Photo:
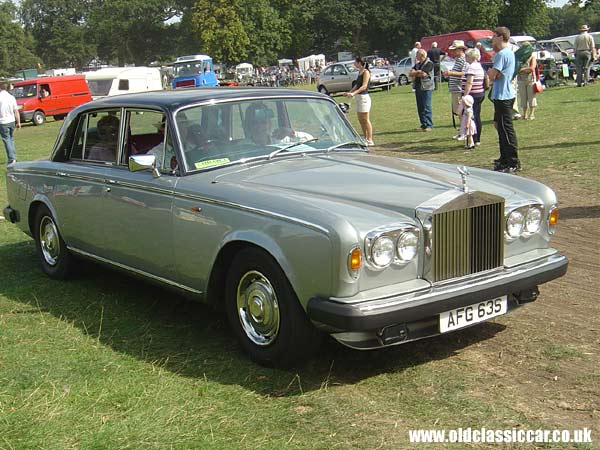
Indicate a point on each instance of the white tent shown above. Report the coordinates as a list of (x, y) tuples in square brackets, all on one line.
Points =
[(311, 61), (285, 62)]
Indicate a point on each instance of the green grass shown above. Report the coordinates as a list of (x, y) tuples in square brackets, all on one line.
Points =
[(106, 362)]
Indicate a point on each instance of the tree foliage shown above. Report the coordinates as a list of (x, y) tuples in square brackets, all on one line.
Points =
[(71, 33)]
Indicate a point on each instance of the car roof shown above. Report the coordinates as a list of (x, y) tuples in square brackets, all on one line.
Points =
[(174, 99)]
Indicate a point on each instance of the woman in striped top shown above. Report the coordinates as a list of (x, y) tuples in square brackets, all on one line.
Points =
[(473, 85)]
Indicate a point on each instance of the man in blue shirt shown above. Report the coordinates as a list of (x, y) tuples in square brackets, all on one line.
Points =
[(503, 96)]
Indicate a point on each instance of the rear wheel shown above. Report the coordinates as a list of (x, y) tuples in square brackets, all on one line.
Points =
[(323, 90), (59, 116), (264, 312), (38, 118), (54, 257), (402, 80)]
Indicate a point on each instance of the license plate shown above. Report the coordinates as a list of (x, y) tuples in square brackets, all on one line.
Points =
[(469, 315)]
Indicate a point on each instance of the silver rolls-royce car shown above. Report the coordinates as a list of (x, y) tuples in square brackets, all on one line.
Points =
[(267, 204)]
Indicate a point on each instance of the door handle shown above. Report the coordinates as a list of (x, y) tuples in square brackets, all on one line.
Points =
[(107, 189), (111, 181), (61, 174)]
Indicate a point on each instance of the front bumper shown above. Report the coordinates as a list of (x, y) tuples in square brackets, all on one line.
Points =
[(519, 282), (26, 116)]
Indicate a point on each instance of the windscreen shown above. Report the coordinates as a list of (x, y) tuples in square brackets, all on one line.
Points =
[(223, 133)]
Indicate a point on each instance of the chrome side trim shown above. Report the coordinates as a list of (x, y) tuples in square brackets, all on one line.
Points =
[(155, 190), (134, 270), (253, 210)]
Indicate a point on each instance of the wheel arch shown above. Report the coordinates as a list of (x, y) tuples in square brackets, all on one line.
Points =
[(35, 204), (231, 246)]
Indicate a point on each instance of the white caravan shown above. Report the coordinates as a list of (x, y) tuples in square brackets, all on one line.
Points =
[(123, 80)]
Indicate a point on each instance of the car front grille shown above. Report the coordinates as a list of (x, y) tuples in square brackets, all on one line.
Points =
[(467, 241)]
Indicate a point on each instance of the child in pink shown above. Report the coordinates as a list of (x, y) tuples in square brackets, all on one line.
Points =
[(467, 124)]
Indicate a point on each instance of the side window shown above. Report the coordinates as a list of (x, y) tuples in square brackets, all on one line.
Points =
[(101, 136), (123, 85), (328, 71), (79, 140), (338, 69), (144, 132), (237, 125)]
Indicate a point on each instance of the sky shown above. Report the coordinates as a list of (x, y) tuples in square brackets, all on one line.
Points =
[(557, 3)]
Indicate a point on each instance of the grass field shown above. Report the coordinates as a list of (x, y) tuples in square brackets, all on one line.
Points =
[(104, 362)]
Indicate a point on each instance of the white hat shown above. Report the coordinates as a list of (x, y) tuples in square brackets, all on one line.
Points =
[(468, 100), (457, 44), (584, 28)]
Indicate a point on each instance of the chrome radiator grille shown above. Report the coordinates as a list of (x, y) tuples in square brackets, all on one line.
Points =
[(467, 241)]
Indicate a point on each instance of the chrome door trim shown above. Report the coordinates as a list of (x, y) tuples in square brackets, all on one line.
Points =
[(134, 270)]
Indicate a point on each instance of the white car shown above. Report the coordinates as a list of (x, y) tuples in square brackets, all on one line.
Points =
[(340, 77), (402, 71)]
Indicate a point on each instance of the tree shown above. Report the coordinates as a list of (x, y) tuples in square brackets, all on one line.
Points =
[(16, 51), (131, 31), (59, 30), (529, 17), (221, 31)]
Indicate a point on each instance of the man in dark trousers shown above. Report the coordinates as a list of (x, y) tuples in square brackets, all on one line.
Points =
[(435, 54), (503, 96)]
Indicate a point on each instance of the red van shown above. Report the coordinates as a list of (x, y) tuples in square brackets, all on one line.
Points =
[(470, 37), (50, 96)]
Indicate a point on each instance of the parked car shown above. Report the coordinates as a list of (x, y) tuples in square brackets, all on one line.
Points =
[(402, 70), (266, 203), (538, 51), (555, 49), (38, 98), (340, 77)]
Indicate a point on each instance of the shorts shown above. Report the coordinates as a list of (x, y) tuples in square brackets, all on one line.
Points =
[(363, 103)]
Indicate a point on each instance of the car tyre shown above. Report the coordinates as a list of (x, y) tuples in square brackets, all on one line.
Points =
[(323, 90), (264, 312), (402, 80), (38, 118), (60, 117), (55, 258)]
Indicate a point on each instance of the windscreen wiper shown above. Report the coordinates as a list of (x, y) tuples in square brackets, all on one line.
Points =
[(345, 144), (287, 147)]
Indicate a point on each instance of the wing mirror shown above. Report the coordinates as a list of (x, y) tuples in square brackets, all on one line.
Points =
[(138, 163)]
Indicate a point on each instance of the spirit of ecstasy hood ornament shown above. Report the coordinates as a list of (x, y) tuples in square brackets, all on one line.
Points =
[(464, 173)]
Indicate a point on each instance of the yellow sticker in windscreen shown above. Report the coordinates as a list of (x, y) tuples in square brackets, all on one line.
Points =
[(211, 162)]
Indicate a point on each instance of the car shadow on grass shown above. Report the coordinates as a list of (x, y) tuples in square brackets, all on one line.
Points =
[(165, 329)]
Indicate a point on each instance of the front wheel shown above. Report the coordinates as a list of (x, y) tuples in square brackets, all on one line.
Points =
[(54, 257), (323, 90), (264, 312), (402, 80), (38, 118)]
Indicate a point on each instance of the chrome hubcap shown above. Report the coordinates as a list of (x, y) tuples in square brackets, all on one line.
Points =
[(49, 242), (258, 308)]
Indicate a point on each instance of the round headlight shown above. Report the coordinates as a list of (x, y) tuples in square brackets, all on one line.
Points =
[(533, 220), (407, 246), (514, 224), (382, 251)]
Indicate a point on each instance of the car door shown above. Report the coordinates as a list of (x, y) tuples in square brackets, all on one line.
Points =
[(138, 205), (79, 195)]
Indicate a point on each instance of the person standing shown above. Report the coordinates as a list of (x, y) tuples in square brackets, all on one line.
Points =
[(360, 90), (413, 53), (585, 51), (473, 85), (9, 119), (422, 75), (457, 51), (435, 54), (503, 97), (526, 78)]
